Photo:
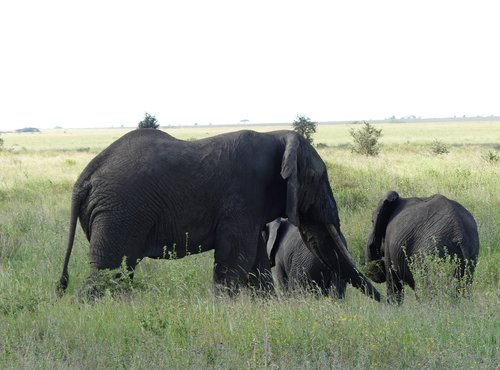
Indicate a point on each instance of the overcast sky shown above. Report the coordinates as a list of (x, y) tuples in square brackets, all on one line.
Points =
[(105, 63)]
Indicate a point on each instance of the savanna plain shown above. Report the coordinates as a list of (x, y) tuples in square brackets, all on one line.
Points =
[(168, 317)]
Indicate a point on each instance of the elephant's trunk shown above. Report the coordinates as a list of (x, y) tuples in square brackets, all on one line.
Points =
[(324, 241)]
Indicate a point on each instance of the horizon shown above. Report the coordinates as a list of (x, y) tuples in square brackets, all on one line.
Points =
[(389, 120)]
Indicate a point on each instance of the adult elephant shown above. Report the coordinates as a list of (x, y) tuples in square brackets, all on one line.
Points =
[(151, 195), (405, 227), (295, 266)]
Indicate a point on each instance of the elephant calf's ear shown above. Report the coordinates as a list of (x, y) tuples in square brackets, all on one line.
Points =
[(271, 245), (384, 211), (380, 221)]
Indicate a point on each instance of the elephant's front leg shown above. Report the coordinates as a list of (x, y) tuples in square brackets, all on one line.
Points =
[(235, 255), (261, 278)]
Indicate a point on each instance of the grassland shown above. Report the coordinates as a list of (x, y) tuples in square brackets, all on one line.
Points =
[(169, 318)]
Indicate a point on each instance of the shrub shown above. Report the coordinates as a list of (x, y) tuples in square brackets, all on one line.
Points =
[(149, 121), (436, 277), (366, 140), (305, 127), (1, 144), (438, 147), (491, 156)]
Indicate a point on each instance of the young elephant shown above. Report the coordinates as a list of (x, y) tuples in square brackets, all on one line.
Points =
[(404, 227), (296, 266)]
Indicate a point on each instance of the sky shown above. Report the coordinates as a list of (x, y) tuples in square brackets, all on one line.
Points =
[(105, 63)]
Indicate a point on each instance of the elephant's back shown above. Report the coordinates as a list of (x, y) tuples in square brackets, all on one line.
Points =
[(130, 147), (433, 222)]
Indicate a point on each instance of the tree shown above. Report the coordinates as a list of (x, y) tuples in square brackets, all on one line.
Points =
[(305, 127), (366, 139), (149, 121)]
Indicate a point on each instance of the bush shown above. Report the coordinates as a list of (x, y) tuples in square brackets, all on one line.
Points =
[(366, 140), (436, 278), (490, 157), (149, 121), (438, 147), (1, 144), (305, 127)]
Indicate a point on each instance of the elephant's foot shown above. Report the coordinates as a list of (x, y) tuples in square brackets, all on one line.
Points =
[(99, 282), (61, 285)]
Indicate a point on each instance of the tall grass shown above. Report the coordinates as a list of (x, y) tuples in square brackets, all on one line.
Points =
[(169, 318)]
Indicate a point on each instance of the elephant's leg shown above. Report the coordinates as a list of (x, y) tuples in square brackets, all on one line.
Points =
[(235, 255), (468, 275), (463, 275), (282, 278), (261, 277), (394, 288), (112, 247)]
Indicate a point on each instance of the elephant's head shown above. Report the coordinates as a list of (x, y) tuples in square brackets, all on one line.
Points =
[(311, 207), (374, 253)]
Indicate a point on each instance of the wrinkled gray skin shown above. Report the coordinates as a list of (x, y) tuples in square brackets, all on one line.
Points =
[(295, 266), (434, 224), (151, 195)]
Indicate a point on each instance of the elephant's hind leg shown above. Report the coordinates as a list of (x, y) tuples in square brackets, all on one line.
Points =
[(113, 256), (395, 293)]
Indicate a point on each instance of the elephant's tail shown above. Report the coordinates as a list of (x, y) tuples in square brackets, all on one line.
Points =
[(62, 284)]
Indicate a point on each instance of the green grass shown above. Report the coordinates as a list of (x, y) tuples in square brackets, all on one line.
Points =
[(169, 317)]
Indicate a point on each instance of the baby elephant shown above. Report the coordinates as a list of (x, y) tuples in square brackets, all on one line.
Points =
[(405, 227), (296, 266)]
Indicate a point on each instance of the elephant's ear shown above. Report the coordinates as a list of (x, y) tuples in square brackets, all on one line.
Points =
[(289, 172), (381, 218), (271, 245)]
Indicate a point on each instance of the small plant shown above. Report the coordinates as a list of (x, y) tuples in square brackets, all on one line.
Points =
[(490, 157), (438, 147), (83, 149), (366, 140), (305, 127), (1, 144), (436, 277), (149, 121)]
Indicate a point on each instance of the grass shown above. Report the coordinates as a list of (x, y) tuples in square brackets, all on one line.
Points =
[(169, 318)]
